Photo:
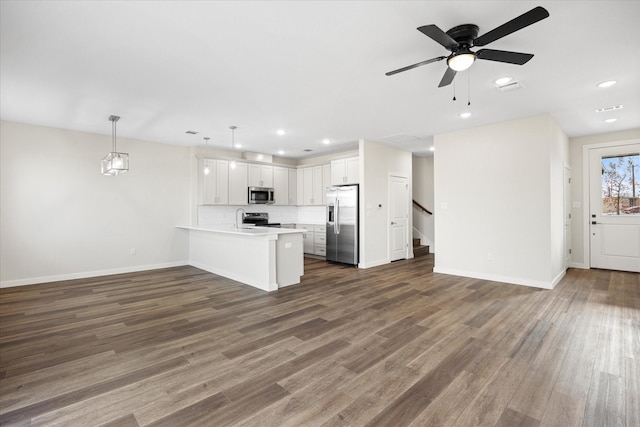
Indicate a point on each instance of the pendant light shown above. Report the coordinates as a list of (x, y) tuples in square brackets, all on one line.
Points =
[(206, 170), (114, 163), (232, 165)]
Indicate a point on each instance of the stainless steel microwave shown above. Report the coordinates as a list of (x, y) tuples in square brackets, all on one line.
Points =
[(261, 195)]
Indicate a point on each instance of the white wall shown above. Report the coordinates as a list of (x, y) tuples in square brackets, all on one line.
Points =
[(498, 202), (61, 219), (377, 161), (579, 251), (423, 193)]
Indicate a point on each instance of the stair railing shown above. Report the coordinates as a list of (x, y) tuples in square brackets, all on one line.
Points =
[(422, 208)]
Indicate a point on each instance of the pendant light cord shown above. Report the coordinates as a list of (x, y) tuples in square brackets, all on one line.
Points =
[(113, 136)]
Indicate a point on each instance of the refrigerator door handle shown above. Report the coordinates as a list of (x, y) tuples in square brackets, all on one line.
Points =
[(336, 224)]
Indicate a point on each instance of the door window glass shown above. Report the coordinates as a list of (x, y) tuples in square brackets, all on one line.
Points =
[(621, 185)]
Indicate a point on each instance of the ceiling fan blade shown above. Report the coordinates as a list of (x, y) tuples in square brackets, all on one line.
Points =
[(447, 78), (419, 64), (504, 56), (534, 15), (439, 36)]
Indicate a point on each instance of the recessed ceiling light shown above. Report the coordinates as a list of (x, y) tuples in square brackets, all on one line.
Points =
[(238, 145), (326, 141), (432, 148), (608, 83), (503, 81), (611, 120), (281, 132), (281, 152), (465, 115)]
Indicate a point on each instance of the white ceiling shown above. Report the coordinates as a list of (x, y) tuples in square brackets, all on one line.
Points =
[(313, 68)]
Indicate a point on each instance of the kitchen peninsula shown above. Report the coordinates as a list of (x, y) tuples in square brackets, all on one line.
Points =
[(262, 257)]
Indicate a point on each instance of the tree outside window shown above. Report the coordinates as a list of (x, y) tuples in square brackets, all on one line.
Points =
[(621, 185)]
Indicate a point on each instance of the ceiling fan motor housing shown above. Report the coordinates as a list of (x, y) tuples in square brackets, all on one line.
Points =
[(464, 35)]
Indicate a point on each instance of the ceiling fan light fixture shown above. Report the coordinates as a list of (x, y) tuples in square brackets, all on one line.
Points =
[(461, 60)]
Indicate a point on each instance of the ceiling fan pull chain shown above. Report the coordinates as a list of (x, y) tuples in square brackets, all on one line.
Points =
[(468, 87), (454, 90)]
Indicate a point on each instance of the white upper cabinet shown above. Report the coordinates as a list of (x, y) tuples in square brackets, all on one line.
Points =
[(326, 181), (260, 176), (293, 187), (215, 183), (300, 186), (345, 171), (281, 185), (312, 181), (238, 184)]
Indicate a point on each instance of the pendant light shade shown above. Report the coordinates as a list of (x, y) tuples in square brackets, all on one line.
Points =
[(115, 163)]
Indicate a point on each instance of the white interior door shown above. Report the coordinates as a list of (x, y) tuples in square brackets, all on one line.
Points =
[(614, 187), (398, 241)]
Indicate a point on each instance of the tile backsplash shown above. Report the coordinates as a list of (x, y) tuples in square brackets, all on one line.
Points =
[(223, 215)]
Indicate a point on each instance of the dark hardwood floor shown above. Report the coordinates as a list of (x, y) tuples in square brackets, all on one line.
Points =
[(389, 346)]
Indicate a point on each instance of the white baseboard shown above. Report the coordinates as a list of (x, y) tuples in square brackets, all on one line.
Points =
[(505, 279), (373, 264), (88, 274), (579, 265)]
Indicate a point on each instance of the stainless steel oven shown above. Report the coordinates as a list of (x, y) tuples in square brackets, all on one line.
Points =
[(261, 195)]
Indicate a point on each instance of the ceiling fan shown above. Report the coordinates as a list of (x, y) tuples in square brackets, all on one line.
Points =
[(459, 40)]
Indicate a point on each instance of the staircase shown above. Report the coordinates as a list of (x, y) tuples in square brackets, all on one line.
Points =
[(419, 250)]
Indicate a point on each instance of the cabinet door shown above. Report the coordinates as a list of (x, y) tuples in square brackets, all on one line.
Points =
[(307, 238), (338, 172), (352, 170), (255, 176), (260, 176), (266, 176), (317, 188), (300, 186), (215, 184), (326, 182), (238, 184), (307, 186), (281, 185), (293, 187)]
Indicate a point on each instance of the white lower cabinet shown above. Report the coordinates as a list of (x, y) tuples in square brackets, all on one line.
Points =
[(314, 240), (320, 240)]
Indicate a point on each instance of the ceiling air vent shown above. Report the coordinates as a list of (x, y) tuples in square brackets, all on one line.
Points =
[(510, 87), (401, 138), (308, 150), (191, 132), (605, 109)]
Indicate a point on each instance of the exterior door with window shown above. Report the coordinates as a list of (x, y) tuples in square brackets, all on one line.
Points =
[(614, 187)]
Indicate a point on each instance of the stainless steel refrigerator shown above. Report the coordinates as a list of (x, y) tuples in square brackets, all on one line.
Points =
[(342, 224)]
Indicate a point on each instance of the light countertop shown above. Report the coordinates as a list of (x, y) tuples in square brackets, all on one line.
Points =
[(243, 230)]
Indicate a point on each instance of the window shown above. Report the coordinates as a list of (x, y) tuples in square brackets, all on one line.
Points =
[(621, 185)]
